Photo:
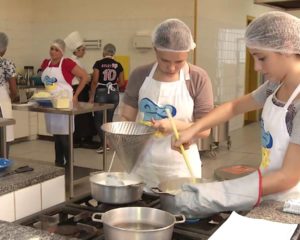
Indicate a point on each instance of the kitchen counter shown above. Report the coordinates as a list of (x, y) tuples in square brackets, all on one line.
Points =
[(80, 108), (272, 210), (41, 173), (10, 231)]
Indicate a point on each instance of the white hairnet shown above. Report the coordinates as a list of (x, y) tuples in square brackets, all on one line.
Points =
[(3, 41), (274, 31), (60, 44), (173, 35), (110, 49)]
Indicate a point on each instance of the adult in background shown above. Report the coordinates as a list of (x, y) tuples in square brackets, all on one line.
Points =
[(8, 87), (108, 75), (84, 123), (168, 83), (57, 76)]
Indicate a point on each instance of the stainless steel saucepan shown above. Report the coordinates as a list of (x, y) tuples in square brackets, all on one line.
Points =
[(141, 223), (167, 191), (116, 187)]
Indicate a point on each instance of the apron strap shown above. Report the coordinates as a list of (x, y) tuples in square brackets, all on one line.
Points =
[(109, 86), (292, 97), (153, 70), (182, 74)]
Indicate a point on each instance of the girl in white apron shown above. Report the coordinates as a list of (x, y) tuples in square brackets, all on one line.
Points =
[(273, 40), (276, 141)]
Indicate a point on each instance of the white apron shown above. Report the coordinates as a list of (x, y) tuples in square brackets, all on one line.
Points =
[(76, 80), (158, 161), (275, 140), (56, 123), (6, 109)]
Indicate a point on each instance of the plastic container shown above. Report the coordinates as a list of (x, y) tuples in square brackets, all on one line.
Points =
[(4, 163)]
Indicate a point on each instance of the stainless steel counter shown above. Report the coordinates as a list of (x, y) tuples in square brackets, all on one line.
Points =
[(3, 123), (81, 108)]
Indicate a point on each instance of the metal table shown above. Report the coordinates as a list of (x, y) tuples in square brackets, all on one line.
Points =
[(81, 108), (3, 123)]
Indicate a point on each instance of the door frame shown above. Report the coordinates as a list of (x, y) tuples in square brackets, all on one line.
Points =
[(251, 82)]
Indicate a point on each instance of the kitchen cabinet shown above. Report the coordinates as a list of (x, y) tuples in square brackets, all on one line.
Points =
[(21, 128), (28, 201), (26, 124), (53, 192), (7, 210)]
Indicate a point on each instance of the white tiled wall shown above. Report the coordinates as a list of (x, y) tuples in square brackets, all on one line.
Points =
[(33, 24)]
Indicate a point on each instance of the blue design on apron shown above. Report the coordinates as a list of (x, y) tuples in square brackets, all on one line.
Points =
[(152, 111)]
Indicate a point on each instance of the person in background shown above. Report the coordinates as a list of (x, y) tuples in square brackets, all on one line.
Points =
[(8, 87), (57, 76), (168, 83), (273, 40), (84, 123), (108, 75)]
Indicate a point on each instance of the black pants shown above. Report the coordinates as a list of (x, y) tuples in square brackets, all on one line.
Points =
[(102, 96), (84, 123), (61, 143)]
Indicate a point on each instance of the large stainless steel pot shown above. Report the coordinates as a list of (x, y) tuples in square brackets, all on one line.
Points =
[(167, 191), (139, 223), (131, 191)]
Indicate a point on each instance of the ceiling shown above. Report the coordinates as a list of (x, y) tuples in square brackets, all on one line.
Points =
[(280, 4)]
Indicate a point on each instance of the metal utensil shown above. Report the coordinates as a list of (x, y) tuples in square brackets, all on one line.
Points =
[(128, 139), (183, 152), (18, 170)]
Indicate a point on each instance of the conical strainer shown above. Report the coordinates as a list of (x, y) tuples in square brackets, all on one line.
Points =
[(128, 140)]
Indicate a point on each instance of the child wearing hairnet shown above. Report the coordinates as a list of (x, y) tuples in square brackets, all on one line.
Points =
[(171, 83), (273, 40)]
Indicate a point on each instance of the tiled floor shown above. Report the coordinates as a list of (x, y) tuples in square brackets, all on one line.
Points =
[(245, 149)]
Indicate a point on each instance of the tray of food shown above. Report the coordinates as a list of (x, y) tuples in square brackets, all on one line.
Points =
[(43, 98)]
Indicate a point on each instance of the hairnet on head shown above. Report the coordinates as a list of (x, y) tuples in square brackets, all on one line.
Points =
[(110, 49), (173, 35), (60, 44), (274, 31), (3, 41)]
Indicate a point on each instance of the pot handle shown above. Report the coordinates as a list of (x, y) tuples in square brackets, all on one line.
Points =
[(156, 190), (159, 191), (180, 216), (97, 217)]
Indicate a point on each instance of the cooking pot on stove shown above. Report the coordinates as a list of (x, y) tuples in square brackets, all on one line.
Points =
[(167, 191), (130, 190), (140, 223)]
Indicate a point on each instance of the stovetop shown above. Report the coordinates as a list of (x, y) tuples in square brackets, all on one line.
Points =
[(73, 219)]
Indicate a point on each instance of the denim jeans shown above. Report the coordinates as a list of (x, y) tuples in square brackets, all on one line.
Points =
[(102, 96)]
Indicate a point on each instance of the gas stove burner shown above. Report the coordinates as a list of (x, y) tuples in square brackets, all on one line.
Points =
[(73, 220), (70, 227), (79, 230), (86, 202)]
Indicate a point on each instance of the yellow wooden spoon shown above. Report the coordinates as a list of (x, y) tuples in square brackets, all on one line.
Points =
[(183, 152)]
